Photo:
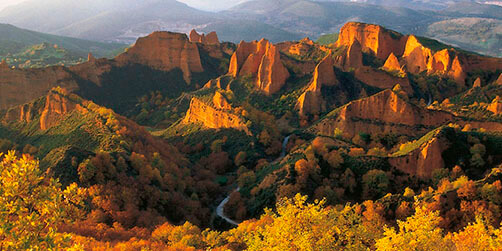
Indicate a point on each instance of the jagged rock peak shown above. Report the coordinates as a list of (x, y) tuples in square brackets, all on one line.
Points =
[(499, 80), (311, 101), (4, 65), (380, 41), (57, 104), (164, 51), (200, 112), (211, 38), (90, 57), (392, 63), (260, 59)]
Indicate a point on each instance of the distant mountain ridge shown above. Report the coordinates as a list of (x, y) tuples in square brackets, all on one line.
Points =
[(279, 20)]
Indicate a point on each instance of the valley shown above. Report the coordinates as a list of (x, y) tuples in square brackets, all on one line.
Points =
[(342, 140)]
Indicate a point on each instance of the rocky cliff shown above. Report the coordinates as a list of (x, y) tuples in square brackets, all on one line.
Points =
[(311, 101), (422, 161), (392, 64), (372, 38), (209, 39), (262, 60), (495, 106), (164, 51), (19, 86), (384, 112), (211, 117), (50, 110)]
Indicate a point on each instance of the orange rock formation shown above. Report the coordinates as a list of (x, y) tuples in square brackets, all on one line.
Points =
[(20, 86), (495, 106), (210, 39), (220, 102), (164, 51), (311, 101), (424, 160), (374, 38), (260, 59), (381, 79), (200, 112), (56, 106), (384, 112), (392, 63)]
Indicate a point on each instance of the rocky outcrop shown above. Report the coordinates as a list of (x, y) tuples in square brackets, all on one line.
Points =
[(354, 56), (302, 47), (4, 65), (495, 106), (262, 60), (90, 57), (209, 39), (422, 161), (210, 117), (19, 86), (381, 79), (392, 64), (499, 80), (372, 38), (384, 112), (311, 101), (222, 82), (57, 105), (477, 83), (164, 51), (220, 102), (446, 62)]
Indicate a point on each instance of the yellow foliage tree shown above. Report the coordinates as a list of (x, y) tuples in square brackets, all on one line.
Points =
[(419, 232), (298, 225), (32, 206)]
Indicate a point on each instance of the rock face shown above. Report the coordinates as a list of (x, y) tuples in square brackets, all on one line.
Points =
[(376, 39), (422, 161), (200, 112), (381, 79), (19, 86), (384, 112), (90, 57), (260, 59), (499, 80), (220, 102), (353, 58), (392, 64), (311, 101), (477, 83), (56, 106), (210, 39), (164, 51), (414, 55), (496, 106)]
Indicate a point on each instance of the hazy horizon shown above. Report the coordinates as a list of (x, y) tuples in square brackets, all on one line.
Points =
[(213, 5)]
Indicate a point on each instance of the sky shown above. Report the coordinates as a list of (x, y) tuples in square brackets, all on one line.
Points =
[(212, 5), (5, 3), (209, 5)]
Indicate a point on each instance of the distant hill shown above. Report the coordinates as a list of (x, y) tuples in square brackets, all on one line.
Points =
[(278, 20), (247, 30), (14, 40)]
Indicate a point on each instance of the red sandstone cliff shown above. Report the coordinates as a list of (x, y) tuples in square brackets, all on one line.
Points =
[(311, 101), (422, 161), (164, 51), (210, 39), (374, 38), (260, 59), (384, 112), (200, 112)]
